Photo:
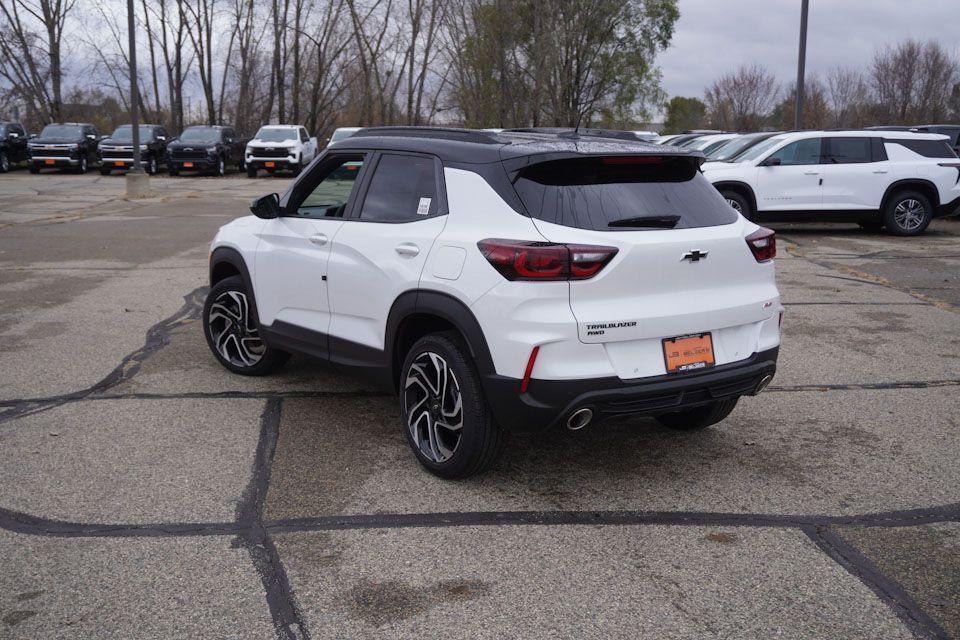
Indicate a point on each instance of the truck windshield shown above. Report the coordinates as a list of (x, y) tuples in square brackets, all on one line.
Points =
[(126, 133), (276, 134), (61, 131), (200, 134)]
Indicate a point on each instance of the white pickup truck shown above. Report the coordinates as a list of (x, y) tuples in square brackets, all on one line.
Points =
[(279, 147)]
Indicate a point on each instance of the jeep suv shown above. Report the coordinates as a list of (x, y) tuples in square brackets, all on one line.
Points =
[(116, 152), (503, 282), (896, 180)]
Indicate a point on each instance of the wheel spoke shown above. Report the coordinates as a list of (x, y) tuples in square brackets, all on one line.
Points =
[(433, 406)]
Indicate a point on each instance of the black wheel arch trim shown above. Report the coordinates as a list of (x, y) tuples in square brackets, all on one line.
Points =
[(907, 183), (736, 184)]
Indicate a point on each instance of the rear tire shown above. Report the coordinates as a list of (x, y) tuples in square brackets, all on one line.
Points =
[(698, 417), (907, 213), (738, 203), (232, 329), (443, 410)]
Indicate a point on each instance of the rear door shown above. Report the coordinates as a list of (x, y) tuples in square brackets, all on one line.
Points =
[(855, 173), (794, 184), (380, 251), (666, 280)]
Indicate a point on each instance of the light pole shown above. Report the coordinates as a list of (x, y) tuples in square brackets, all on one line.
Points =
[(138, 183), (801, 63)]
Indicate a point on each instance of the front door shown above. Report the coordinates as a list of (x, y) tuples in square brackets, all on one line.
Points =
[(794, 184), (290, 271)]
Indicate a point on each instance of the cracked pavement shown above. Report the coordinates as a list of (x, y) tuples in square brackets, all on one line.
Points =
[(147, 492)]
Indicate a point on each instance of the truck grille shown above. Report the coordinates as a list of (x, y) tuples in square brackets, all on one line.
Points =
[(51, 153), (116, 153), (270, 152), (188, 154)]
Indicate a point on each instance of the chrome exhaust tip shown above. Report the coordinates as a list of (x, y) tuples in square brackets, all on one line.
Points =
[(579, 419), (764, 381)]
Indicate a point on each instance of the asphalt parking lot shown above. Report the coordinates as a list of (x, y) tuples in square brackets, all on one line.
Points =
[(147, 492)]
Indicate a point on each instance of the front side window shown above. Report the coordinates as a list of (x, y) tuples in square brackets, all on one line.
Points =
[(403, 189), (849, 151), (799, 153), (303, 135), (329, 197)]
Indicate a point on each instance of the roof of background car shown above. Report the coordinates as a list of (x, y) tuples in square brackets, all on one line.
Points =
[(860, 133), (471, 146)]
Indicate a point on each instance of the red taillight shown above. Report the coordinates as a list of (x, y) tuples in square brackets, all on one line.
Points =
[(520, 260), (763, 244)]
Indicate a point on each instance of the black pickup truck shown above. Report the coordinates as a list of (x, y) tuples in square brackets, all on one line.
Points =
[(13, 145), (116, 152), (64, 144), (206, 149)]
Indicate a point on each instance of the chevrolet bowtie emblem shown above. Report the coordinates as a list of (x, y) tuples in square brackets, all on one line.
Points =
[(695, 255)]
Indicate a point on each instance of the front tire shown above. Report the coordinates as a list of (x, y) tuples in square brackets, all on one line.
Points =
[(232, 329), (34, 168), (699, 417), (738, 203), (443, 410), (907, 213), (4, 162), (251, 171), (152, 167), (82, 167), (221, 169), (104, 171)]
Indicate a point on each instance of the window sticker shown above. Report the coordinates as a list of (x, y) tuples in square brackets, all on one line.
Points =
[(424, 207)]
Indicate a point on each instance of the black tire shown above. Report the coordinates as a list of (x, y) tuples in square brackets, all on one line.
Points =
[(104, 171), (152, 166), (4, 162), (241, 166), (297, 168), (34, 168), (269, 359), (481, 440), (172, 172), (221, 169), (738, 203), (698, 417), (901, 223), (251, 171), (82, 167)]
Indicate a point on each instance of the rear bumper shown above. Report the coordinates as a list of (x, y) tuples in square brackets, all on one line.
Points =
[(548, 403)]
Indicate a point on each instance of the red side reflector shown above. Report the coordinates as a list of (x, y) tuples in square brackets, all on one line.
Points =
[(632, 159), (763, 244), (526, 374)]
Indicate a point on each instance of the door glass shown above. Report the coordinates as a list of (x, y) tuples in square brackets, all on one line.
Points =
[(403, 189), (799, 152), (849, 150), (329, 198)]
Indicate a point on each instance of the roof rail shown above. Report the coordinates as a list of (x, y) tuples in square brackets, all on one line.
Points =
[(439, 133), (568, 132)]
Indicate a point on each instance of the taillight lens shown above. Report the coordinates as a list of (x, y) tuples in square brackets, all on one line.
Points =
[(521, 260), (763, 244)]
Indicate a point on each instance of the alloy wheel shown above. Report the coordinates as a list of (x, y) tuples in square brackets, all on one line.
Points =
[(909, 214), (736, 205), (433, 407), (221, 169), (233, 330)]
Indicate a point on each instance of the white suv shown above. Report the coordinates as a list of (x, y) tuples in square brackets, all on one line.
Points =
[(277, 147), (503, 282), (891, 179)]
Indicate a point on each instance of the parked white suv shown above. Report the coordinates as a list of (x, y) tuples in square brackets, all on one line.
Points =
[(503, 282), (278, 147), (891, 179)]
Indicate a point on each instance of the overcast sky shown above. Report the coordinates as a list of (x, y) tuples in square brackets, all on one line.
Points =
[(713, 37)]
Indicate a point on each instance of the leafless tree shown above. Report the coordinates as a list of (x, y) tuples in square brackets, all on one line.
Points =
[(912, 82), (847, 96), (742, 100)]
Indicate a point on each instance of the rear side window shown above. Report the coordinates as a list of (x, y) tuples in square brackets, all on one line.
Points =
[(622, 193), (848, 150), (926, 148), (403, 189)]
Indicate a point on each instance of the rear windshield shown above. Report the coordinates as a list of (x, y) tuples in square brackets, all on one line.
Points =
[(622, 193)]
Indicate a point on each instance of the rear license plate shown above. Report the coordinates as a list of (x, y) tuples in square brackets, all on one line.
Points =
[(118, 164), (50, 162), (688, 353), (187, 164), (269, 165)]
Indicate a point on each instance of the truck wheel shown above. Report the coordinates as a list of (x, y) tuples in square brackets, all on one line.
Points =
[(738, 202), (251, 171), (907, 213), (221, 169), (82, 167), (699, 417), (152, 167), (34, 168), (444, 413), (4, 162), (172, 172), (104, 171), (232, 330)]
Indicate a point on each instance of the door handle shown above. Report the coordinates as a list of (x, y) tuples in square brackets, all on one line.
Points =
[(407, 249), (320, 239), (880, 171), (811, 173)]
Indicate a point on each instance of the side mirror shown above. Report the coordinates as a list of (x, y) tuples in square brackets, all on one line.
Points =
[(161, 138), (266, 207), (13, 135), (771, 162), (31, 136)]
